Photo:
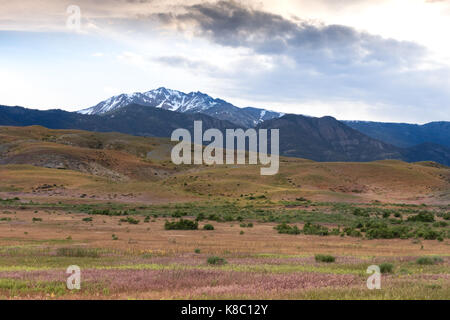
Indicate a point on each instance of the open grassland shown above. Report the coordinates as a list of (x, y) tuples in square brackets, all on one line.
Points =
[(140, 227), (125, 251)]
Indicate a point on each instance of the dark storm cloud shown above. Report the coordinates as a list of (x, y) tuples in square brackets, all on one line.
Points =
[(232, 24), (318, 62)]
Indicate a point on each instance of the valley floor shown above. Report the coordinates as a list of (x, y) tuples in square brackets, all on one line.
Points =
[(125, 252)]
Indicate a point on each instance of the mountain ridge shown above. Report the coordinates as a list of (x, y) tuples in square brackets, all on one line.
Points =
[(320, 139), (405, 134), (192, 102)]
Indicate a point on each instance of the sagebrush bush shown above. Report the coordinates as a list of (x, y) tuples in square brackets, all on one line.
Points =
[(315, 229), (285, 228), (386, 267), (324, 258), (214, 260), (181, 225), (208, 227), (429, 260), (130, 220), (422, 217)]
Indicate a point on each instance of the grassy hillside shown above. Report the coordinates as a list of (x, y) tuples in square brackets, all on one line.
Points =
[(111, 164)]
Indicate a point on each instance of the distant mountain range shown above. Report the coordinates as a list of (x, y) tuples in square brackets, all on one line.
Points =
[(133, 119), (405, 134), (159, 112), (193, 102)]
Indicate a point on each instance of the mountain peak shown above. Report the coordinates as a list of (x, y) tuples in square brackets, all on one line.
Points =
[(193, 102)]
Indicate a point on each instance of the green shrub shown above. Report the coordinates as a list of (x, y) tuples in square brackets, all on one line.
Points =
[(178, 214), (130, 220), (87, 219), (386, 267), (287, 229), (422, 217), (427, 233), (214, 260), (181, 225), (114, 237), (36, 219), (208, 227), (108, 212), (197, 250), (428, 260), (352, 232), (440, 224), (360, 212), (324, 258), (380, 230), (315, 229), (246, 225)]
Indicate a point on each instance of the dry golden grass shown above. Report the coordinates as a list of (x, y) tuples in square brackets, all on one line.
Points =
[(226, 238)]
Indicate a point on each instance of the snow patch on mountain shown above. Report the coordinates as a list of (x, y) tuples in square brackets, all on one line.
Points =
[(178, 101)]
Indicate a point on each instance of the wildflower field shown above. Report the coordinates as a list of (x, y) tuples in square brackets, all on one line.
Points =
[(128, 251)]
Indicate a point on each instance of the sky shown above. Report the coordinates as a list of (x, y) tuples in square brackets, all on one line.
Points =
[(377, 60)]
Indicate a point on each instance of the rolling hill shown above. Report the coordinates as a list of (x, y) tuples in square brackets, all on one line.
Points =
[(36, 161)]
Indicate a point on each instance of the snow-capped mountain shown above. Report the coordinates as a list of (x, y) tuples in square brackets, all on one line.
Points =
[(193, 102)]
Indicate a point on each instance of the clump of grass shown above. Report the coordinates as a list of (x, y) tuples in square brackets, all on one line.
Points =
[(214, 260), (324, 258), (36, 219), (87, 219), (208, 227), (429, 260), (130, 220), (386, 267), (287, 229), (77, 252), (181, 225), (114, 237), (197, 250)]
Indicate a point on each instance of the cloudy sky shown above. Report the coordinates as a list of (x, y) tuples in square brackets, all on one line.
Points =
[(380, 60)]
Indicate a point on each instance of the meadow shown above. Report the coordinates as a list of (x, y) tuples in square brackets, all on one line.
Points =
[(140, 227), (126, 251)]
